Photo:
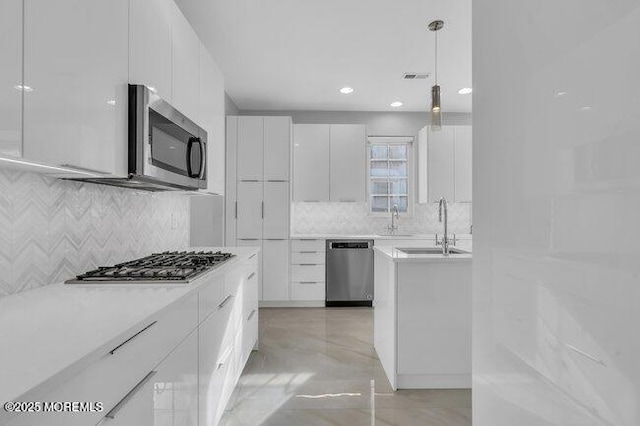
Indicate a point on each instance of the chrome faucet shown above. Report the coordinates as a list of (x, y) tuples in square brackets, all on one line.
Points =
[(445, 238), (395, 216)]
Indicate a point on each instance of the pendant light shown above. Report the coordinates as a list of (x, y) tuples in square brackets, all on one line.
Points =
[(436, 113)]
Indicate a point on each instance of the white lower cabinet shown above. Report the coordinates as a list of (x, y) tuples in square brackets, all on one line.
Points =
[(275, 268), (308, 270), (178, 368)]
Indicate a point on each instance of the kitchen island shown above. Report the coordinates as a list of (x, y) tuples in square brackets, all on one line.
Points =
[(422, 318)]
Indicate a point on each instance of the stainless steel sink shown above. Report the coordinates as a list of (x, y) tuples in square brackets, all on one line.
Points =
[(429, 250)]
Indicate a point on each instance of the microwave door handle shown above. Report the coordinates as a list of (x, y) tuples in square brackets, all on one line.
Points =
[(190, 143), (203, 159)]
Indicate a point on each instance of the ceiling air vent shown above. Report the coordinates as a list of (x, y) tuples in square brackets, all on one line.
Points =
[(415, 76)]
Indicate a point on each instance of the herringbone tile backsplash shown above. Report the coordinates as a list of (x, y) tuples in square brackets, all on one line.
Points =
[(354, 219), (52, 230)]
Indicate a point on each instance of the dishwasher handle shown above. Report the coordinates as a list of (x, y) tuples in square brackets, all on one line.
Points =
[(350, 245)]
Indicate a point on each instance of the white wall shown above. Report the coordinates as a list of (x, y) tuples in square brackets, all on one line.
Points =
[(384, 123), (556, 213)]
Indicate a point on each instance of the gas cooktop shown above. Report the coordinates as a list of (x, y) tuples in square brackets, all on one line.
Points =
[(167, 267)]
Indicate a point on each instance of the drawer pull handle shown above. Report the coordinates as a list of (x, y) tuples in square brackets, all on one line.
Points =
[(223, 359), (253, 255), (309, 252), (251, 315), (112, 351), (112, 414), (308, 282), (253, 274), (309, 239), (308, 264), (225, 301)]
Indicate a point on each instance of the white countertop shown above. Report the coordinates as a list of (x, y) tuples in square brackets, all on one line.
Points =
[(398, 236), (399, 256), (51, 332)]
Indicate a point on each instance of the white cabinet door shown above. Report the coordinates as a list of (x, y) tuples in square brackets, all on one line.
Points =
[(212, 119), (440, 162), (250, 148), (150, 45), (11, 78), (231, 205), (276, 210), (348, 162), (76, 62), (250, 210), (185, 66), (167, 396), (311, 162), (275, 269), (463, 164), (277, 148)]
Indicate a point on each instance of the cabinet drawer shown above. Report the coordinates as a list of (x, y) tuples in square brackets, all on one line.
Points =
[(109, 379), (211, 295), (250, 294), (307, 272), (307, 245), (306, 257), (249, 336), (308, 290)]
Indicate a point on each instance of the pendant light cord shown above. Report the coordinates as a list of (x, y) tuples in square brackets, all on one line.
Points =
[(436, 56)]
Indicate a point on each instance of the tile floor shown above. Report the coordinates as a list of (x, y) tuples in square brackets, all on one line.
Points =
[(318, 366)]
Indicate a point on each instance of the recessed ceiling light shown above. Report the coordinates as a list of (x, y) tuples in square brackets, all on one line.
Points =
[(346, 90), (465, 90), (561, 93), (111, 102), (585, 108), (396, 104), (23, 88)]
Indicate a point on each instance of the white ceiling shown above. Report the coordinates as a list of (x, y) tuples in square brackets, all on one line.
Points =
[(296, 54)]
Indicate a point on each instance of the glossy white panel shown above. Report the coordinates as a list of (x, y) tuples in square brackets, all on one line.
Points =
[(275, 269), (276, 210), (185, 65), (311, 162), (78, 70), (557, 195), (348, 162), (277, 148), (150, 45), (11, 78)]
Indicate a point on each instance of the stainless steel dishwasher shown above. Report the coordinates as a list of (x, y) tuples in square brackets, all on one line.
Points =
[(349, 271)]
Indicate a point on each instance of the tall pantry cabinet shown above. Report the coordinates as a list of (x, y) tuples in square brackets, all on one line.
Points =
[(257, 206)]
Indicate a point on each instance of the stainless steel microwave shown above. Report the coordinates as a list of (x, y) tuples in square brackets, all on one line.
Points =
[(165, 147), (166, 150)]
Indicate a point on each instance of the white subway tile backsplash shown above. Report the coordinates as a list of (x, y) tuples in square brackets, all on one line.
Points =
[(52, 230)]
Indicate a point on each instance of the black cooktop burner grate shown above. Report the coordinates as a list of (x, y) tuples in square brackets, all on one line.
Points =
[(168, 266)]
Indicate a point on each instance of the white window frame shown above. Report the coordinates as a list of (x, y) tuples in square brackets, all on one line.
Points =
[(391, 140)]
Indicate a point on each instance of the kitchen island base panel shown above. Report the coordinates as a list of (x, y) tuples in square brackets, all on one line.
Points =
[(433, 381)]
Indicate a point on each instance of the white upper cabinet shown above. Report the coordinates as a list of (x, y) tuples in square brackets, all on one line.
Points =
[(212, 118), (250, 210), (250, 148), (348, 162), (311, 162), (444, 164), (277, 147), (185, 66), (463, 164), (440, 163), (276, 210), (11, 78), (263, 148), (75, 61), (150, 45)]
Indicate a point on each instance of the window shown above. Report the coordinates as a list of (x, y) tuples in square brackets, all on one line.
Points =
[(389, 176)]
